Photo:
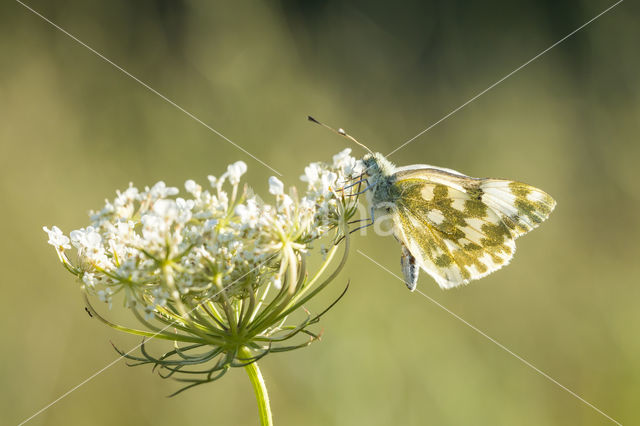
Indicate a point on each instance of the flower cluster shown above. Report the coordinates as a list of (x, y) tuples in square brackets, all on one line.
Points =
[(221, 267)]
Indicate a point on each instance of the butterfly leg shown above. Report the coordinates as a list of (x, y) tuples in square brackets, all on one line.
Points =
[(368, 187), (358, 182), (359, 220), (371, 219), (359, 227)]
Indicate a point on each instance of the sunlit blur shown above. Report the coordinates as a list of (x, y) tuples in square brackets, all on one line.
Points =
[(74, 129)]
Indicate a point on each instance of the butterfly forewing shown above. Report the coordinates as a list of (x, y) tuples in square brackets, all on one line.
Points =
[(522, 207)]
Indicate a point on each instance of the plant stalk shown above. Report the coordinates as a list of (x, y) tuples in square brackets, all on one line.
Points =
[(259, 387)]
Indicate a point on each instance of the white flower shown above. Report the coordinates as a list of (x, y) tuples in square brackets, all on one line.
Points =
[(276, 187), (154, 230), (358, 168), (307, 203), (148, 312), (347, 165), (285, 203), (105, 295), (277, 283), (342, 158), (217, 255), (311, 174), (218, 233), (160, 296), (86, 239), (184, 209), (247, 213), (210, 224), (193, 188), (161, 190), (326, 182), (103, 214), (89, 279), (123, 232), (123, 205), (235, 171), (166, 209), (57, 238)]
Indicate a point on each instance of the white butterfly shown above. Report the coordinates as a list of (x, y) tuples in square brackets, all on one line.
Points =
[(455, 227)]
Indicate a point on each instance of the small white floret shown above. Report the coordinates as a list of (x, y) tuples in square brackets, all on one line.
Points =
[(235, 171), (57, 238), (276, 187), (277, 283)]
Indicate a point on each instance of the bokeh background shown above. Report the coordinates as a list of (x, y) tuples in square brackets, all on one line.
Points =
[(74, 129)]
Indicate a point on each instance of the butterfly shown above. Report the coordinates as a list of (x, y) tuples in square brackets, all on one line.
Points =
[(454, 227)]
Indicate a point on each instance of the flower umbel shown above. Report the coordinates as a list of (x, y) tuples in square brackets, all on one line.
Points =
[(220, 272)]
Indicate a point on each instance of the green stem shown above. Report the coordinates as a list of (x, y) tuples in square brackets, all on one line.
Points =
[(259, 388)]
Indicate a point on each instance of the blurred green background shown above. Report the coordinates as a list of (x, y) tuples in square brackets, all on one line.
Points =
[(74, 129)]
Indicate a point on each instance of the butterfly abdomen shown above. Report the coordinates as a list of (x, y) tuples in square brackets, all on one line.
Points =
[(409, 268)]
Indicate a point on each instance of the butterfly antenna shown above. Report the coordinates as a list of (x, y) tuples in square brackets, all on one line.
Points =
[(340, 131)]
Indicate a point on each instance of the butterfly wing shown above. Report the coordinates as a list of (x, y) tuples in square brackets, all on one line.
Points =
[(460, 228), (521, 207)]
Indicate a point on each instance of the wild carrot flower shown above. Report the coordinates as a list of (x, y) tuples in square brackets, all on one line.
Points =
[(218, 270)]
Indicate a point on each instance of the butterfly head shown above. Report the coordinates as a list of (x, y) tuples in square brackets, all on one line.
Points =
[(377, 165)]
